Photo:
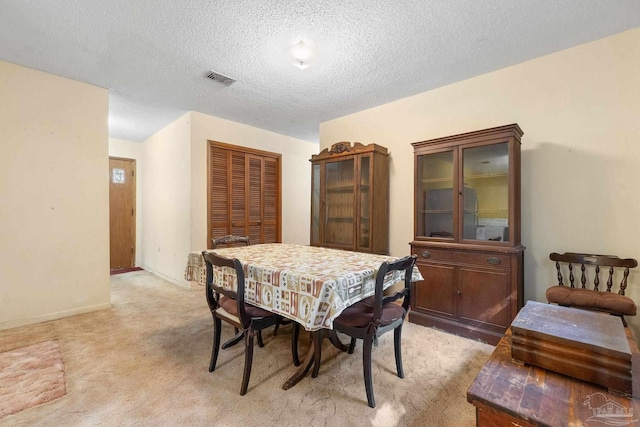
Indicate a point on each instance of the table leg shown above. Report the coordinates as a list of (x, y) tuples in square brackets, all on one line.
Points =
[(314, 356), (309, 360), (235, 340)]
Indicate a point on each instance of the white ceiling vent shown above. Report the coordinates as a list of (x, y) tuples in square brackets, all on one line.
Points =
[(220, 78)]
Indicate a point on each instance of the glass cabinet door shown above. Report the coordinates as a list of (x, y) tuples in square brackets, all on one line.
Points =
[(339, 226), (315, 205), (485, 203), (435, 201), (365, 203)]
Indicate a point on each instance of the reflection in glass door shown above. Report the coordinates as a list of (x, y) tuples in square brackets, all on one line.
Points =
[(486, 192)]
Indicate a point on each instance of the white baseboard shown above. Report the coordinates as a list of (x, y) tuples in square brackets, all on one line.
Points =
[(184, 285), (9, 324)]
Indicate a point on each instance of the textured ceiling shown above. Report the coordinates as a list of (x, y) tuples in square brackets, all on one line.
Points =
[(153, 55)]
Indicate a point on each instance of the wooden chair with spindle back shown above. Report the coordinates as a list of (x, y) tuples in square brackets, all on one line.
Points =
[(607, 300), (230, 240)]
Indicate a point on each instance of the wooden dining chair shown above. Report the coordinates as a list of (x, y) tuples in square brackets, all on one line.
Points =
[(231, 240), (372, 317), (228, 241), (230, 306)]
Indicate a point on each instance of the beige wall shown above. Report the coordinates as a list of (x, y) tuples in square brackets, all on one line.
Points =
[(54, 197), (296, 174), (174, 200), (132, 150), (579, 110), (166, 201)]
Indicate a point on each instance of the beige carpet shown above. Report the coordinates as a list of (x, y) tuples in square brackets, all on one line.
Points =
[(145, 362), (30, 376)]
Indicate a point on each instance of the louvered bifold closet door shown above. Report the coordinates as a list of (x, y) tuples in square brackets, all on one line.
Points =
[(239, 187), (271, 201), (255, 202), (244, 193), (219, 192)]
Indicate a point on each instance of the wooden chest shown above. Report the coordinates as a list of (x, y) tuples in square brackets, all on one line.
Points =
[(581, 344)]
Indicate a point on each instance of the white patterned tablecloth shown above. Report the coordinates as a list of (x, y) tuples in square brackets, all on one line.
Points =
[(308, 284)]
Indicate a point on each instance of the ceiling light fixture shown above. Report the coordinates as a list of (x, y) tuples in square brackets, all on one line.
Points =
[(302, 54)]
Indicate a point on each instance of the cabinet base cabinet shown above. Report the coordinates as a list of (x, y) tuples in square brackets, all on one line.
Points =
[(455, 327), (475, 293)]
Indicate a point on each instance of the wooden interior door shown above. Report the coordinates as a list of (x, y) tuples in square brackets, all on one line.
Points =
[(122, 216)]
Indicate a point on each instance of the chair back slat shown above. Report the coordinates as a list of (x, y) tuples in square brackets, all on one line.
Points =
[(559, 274), (230, 240), (571, 275), (623, 285), (585, 260), (401, 264), (235, 267), (610, 280)]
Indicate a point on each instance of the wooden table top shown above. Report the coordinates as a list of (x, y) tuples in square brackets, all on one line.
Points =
[(544, 398)]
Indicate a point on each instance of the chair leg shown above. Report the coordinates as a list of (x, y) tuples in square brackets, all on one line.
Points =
[(294, 344), (352, 345), (248, 360), (397, 345), (282, 321), (366, 367), (260, 342), (217, 330)]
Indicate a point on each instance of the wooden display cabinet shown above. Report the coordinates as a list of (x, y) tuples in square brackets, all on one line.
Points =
[(350, 198), (467, 233)]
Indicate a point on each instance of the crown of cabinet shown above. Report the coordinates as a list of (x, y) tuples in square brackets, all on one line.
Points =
[(345, 148), (500, 132)]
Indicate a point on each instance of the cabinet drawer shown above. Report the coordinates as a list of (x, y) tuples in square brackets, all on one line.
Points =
[(484, 259)]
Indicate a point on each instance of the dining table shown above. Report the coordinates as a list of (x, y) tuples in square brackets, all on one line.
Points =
[(310, 285)]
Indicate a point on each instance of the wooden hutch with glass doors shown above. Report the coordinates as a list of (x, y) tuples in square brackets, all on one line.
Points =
[(467, 233), (350, 198)]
